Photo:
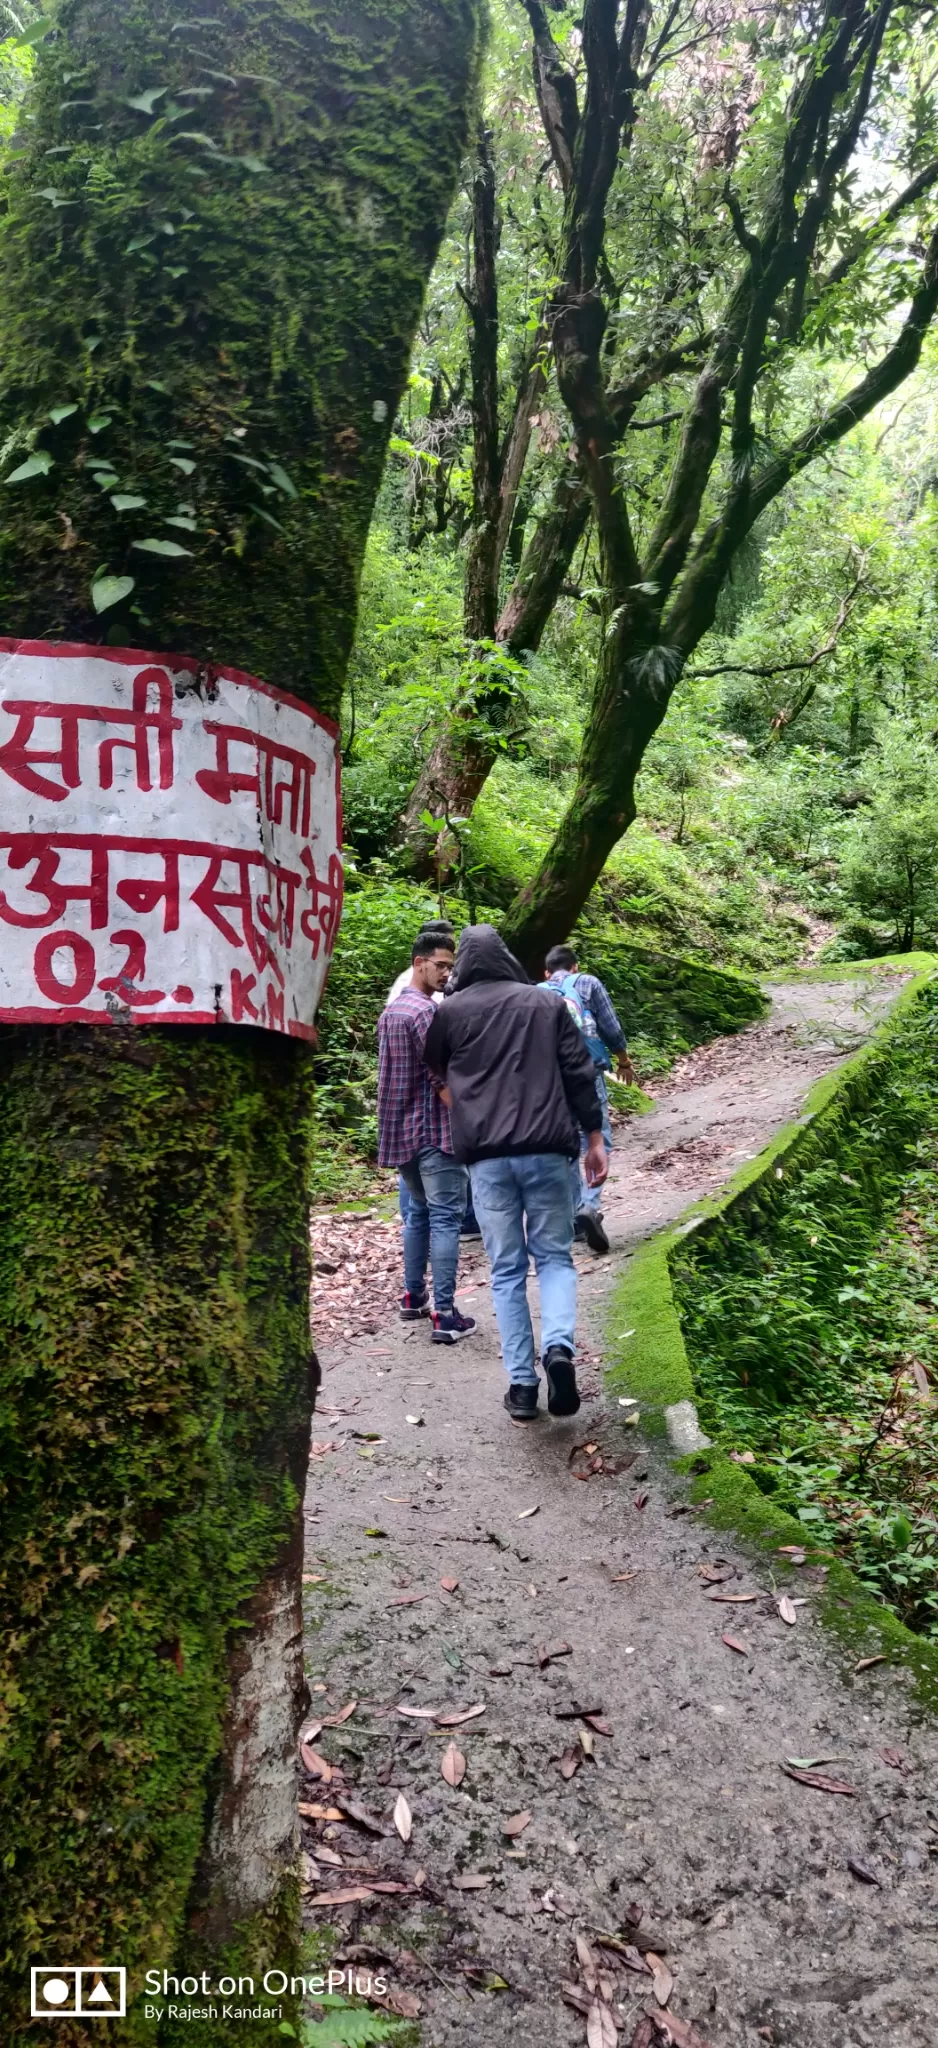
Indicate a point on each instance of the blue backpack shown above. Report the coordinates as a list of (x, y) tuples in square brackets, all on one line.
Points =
[(583, 1018)]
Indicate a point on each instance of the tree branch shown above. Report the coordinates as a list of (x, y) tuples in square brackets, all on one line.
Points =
[(922, 182), (556, 93), (693, 609), (785, 668)]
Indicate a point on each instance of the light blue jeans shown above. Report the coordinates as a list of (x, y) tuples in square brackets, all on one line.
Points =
[(533, 1189), (585, 1197), (437, 1188)]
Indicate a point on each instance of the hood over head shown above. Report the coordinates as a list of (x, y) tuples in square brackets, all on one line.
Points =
[(482, 956)]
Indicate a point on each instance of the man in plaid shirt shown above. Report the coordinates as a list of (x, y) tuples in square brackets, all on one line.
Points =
[(414, 1135)]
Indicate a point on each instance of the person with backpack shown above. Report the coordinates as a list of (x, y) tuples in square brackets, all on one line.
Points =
[(520, 1085), (590, 1005)]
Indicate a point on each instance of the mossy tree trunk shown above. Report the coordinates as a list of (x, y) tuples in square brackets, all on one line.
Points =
[(660, 599), (207, 296)]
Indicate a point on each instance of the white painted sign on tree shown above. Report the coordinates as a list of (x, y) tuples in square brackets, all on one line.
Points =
[(170, 841)]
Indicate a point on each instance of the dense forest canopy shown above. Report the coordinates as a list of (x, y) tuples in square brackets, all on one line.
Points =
[(681, 568)]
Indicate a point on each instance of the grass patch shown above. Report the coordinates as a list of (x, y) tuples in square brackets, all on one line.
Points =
[(773, 1306)]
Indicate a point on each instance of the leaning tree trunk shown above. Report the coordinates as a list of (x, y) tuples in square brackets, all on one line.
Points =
[(207, 296)]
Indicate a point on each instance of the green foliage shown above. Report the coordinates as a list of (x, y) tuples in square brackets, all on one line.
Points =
[(891, 868), (347, 2026), (805, 1311)]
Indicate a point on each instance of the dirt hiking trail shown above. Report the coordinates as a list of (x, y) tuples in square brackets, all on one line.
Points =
[(454, 1559)]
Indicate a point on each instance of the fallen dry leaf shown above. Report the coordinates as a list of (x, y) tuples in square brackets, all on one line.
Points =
[(473, 1883), (546, 1652), (587, 1741), (680, 2033), (631, 1956), (894, 1758), (354, 1810), (403, 1818), (309, 1734), (621, 1578), (459, 1715), (570, 1762), (732, 1599), (596, 1721), (662, 1977), (453, 1766), (336, 1720), (732, 1644), (526, 1513), (641, 1500), (405, 2004), (344, 1898), (588, 1963), (864, 1871), (314, 1578), (315, 1764), (449, 1585), (866, 1663), (407, 1600), (601, 2031), (389, 1885), (787, 1612), (572, 1995), (715, 1575), (420, 1713), (819, 1782), (312, 1812), (326, 1855), (644, 2034), (517, 1824), (921, 1379)]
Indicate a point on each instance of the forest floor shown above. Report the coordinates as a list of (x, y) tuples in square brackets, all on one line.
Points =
[(455, 1560)]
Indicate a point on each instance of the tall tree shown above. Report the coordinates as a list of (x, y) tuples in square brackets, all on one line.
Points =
[(466, 748), (214, 243), (782, 257)]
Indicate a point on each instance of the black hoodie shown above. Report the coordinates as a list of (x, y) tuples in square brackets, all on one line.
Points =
[(519, 1072)]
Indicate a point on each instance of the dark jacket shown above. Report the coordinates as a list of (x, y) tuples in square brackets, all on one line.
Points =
[(518, 1070)]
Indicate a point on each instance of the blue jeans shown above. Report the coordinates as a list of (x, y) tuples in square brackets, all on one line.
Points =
[(585, 1197), (536, 1189), (437, 1188)]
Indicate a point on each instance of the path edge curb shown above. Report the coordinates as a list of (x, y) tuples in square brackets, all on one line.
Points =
[(649, 1361)]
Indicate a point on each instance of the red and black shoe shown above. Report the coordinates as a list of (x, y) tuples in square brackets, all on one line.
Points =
[(415, 1306), (450, 1329)]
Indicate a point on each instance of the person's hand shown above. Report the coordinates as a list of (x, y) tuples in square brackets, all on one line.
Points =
[(595, 1161), (625, 1069), (446, 1098)]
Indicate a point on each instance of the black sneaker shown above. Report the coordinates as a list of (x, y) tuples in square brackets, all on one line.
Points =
[(451, 1328), (562, 1395), (579, 1228), (521, 1401), (414, 1306), (588, 1226)]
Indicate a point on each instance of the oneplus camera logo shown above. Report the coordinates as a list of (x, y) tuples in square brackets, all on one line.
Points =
[(77, 1993)]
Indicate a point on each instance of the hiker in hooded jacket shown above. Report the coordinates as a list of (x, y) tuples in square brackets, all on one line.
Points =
[(590, 1004), (414, 1135), (521, 1085)]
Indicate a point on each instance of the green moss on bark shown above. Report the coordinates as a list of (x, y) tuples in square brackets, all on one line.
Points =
[(257, 245), (222, 282), (154, 1332)]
